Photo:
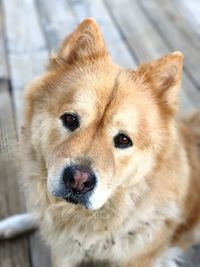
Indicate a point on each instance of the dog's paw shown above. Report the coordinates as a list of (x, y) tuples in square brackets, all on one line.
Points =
[(16, 225)]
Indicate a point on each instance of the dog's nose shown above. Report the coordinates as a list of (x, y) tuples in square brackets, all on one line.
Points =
[(79, 179)]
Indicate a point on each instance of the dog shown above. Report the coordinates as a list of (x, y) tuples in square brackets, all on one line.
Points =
[(109, 172)]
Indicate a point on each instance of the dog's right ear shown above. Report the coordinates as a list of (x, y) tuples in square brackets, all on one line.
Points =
[(85, 43)]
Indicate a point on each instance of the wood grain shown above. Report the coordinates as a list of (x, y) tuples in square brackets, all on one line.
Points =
[(165, 18), (15, 253), (26, 47), (190, 11), (57, 20), (27, 56)]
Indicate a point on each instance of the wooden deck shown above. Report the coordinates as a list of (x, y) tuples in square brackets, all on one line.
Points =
[(134, 30)]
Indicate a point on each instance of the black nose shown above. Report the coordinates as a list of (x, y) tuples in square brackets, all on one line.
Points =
[(79, 179)]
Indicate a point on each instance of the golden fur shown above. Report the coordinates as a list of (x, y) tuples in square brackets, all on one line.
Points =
[(147, 198)]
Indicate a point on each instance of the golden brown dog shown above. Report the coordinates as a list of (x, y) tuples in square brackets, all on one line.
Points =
[(108, 171)]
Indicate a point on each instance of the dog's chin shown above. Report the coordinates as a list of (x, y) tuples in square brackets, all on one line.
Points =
[(84, 202)]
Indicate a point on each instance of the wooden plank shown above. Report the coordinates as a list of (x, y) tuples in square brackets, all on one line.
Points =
[(189, 18), (186, 14), (15, 253), (147, 44), (170, 28), (57, 20), (96, 9), (26, 46), (40, 254), (141, 36), (27, 53), (3, 63)]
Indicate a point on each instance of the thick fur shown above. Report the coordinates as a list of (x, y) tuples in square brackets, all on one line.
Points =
[(145, 208)]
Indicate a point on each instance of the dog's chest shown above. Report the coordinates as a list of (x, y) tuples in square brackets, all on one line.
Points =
[(128, 240), (112, 246)]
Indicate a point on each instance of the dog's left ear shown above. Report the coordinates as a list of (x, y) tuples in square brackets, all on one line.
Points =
[(85, 43), (164, 76)]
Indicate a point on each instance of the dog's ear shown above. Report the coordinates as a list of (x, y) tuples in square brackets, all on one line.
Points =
[(164, 76), (86, 42)]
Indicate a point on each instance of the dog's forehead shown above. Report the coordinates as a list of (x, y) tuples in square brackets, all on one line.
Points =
[(91, 87), (106, 91), (102, 88)]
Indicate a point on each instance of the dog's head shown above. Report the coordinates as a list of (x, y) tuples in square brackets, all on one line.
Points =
[(96, 126)]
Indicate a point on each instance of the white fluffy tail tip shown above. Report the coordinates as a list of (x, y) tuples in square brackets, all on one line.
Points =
[(16, 225)]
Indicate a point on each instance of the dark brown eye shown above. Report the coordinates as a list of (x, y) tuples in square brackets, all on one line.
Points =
[(70, 121), (122, 141)]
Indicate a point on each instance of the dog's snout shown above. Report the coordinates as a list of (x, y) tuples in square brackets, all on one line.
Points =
[(78, 179)]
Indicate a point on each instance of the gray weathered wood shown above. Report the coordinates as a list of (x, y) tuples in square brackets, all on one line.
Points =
[(15, 253), (164, 15), (27, 53), (26, 46), (40, 254), (188, 18), (147, 44), (57, 20), (3, 63), (116, 45)]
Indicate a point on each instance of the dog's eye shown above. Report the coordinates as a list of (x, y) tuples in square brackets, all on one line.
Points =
[(70, 121), (122, 141)]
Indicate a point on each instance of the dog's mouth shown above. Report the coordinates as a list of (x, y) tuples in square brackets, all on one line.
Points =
[(77, 199)]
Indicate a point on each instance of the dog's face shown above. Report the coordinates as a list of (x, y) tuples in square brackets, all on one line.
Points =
[(97, 126)]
